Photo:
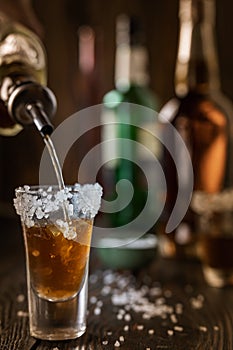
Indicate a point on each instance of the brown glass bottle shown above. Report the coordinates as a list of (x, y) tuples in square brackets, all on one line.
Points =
[(203, 117)]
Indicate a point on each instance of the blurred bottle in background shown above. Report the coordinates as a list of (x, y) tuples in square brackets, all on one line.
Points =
[(87, 92), (88, 80), (121, 120), (203, 117)]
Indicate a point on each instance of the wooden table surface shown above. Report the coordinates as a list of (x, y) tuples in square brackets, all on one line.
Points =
[(166, 305)]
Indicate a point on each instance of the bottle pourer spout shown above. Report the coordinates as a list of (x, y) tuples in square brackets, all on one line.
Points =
[(33, 103)]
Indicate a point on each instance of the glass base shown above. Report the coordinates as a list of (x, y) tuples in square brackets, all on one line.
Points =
[(61, 334), (58, 320), (219, 278)]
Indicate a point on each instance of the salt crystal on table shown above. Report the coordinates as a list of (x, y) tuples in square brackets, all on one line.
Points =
[(121, 311), (93, 299), (160, 301), (196, 303), (127, 317), (155, 291), (170, 332), (99, 303), (173, 318), (203, 328), (109, 278), (97, 311), (178, 328), (140, 327), (117, 344), (106, 290)]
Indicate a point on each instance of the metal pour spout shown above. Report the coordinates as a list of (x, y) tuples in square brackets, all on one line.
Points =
[(30, 103)]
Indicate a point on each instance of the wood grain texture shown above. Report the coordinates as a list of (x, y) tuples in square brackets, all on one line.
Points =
[(200, 317)]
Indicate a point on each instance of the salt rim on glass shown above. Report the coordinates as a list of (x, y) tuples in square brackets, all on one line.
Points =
[(34, 203)]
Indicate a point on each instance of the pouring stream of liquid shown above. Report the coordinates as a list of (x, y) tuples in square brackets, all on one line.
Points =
[(54, 158), (57, 168)]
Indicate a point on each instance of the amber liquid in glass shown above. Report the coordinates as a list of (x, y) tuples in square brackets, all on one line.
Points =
[(216, 251), (56, 264)]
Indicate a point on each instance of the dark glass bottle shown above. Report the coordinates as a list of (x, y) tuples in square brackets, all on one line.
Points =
[(203, 117), (124, 121)]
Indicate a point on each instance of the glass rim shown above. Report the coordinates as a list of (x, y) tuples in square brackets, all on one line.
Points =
[(35, 189), (44, 201)]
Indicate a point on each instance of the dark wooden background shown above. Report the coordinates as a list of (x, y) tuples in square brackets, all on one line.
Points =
[(57, 23)]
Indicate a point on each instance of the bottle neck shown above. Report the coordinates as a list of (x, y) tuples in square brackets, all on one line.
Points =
[(131, 66), (197, 62), (131, 55)]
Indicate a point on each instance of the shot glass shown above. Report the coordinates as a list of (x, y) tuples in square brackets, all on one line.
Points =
[(215, 238), (57, 228)]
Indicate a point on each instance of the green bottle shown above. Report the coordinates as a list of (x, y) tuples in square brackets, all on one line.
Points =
[(125, 159)]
